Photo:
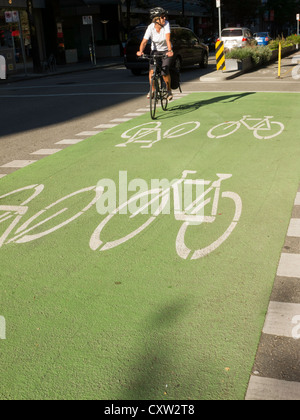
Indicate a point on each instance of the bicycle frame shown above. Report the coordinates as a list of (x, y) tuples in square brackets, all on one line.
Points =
[(191, 213), (261, 121)]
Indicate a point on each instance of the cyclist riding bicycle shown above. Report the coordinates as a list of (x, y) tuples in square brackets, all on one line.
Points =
[(160, 34)]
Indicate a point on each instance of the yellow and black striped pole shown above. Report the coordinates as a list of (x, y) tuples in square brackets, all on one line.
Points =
[(220, 55)]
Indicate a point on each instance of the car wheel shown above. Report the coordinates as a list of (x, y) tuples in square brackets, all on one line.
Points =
[(204, 62)]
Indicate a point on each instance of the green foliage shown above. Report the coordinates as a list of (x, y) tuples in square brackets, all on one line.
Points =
[(259, 55), (262, 54), (285, 43), (295, 39)]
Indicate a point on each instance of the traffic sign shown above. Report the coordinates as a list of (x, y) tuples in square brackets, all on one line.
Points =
[(87, 20)]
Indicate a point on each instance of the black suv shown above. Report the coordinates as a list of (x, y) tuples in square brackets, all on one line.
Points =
[(187, 47)]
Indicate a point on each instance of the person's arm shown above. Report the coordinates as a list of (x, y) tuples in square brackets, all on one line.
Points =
[(142, 47), (144, 43), (169, 44), (168, 39)]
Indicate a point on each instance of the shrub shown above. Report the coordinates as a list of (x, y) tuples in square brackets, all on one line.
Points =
[(288, 42), (259, 55), (294, 39)]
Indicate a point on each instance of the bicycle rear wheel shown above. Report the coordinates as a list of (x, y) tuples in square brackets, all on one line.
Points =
[(153, 98)]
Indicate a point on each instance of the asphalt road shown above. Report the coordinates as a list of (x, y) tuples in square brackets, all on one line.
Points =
[(37, 114)]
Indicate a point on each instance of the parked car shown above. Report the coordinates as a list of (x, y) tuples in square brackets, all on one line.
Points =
[(262, 38), (187, 47), (237, 37)]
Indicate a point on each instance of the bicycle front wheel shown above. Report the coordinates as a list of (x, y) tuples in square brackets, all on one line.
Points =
[(153, 98)]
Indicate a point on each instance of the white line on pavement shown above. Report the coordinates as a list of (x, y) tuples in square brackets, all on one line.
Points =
[(279, 320), (88, 133), (106, 126), (294, 228), (18, 164), (264, 389), (289, 265), (69, 141), (46, 152)]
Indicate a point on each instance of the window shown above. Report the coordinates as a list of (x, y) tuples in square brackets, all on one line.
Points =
[(228, 33)]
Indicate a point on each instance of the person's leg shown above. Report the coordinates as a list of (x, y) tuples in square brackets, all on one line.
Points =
[(167, 62), (150, 81), (167, 80)]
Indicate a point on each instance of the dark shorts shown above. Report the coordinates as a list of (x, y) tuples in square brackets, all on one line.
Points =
[(166, 63)]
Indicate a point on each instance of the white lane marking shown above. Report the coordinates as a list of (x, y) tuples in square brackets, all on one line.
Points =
[(268, 389), (46, 152), (105, 126), (88, 133), (69, 141), (18, 164), (120, 120), (279, 320), (134, 114), (297, 201), (294, 228), (289, 265)]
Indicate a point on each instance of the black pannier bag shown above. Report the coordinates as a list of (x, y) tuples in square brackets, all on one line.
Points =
[(175, 79)]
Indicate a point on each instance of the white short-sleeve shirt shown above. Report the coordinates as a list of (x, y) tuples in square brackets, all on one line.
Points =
[(159, 42)]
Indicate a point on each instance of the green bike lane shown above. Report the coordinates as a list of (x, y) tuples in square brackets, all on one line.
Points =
[(144, 320)]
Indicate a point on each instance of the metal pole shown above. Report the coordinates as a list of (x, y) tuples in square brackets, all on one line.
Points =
[(220, 22), (94, 48), (218, 4)]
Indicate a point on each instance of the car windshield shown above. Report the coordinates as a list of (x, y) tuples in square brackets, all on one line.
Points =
[(262, 34), (227, 33)]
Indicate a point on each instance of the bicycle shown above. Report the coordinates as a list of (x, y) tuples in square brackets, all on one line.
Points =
[(158, 88), (262, 126), (192, 215), (150, 133)]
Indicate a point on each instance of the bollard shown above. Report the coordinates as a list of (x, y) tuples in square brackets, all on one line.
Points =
[(220, 56), (2, 67), (279, 61)]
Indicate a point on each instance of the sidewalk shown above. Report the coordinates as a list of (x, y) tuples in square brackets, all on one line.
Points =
[(62, 69)]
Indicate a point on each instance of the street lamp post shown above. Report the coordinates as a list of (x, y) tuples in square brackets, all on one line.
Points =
[(218, 3)]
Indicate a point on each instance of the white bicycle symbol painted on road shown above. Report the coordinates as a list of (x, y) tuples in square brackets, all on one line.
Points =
[(60, 214), (150, 133), (53, 212), (263, 129), (191, 216)]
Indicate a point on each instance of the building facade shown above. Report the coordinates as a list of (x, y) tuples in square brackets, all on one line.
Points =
[(68, 28)]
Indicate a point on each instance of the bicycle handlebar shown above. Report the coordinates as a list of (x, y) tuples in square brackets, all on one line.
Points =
[(151, 56)]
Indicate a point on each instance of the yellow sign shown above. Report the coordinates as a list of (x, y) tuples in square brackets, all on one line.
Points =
[(220, 56)]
